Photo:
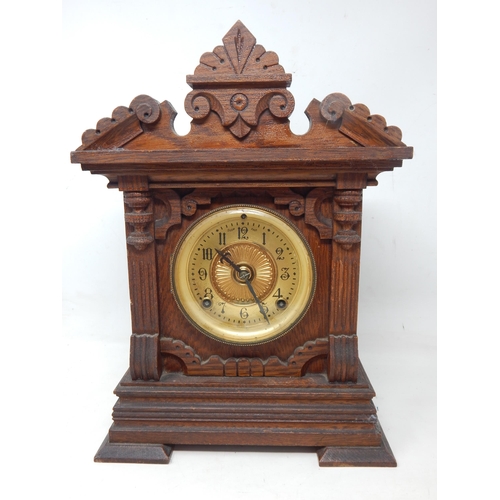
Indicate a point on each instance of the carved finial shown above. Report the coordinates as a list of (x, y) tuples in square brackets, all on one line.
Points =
[(249, 67), (239, 43)]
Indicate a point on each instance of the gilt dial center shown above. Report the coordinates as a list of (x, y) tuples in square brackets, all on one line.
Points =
[(250, 264)]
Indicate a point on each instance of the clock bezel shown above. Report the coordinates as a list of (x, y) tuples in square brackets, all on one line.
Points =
[(296, 309)]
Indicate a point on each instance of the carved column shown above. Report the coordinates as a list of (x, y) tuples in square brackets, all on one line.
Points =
[(347, 209), (145, 359)]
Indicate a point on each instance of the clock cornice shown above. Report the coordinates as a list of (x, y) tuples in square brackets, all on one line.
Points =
[(240, 111)]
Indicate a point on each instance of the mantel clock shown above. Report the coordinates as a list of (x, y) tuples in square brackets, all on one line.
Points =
[(243, 243)]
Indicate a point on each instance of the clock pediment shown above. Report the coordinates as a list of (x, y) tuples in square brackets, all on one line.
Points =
[(240, 102)]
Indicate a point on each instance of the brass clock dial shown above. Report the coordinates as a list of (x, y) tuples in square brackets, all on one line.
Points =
[(243, 275)]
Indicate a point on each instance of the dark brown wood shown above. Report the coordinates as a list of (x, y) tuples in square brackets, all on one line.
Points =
[(145, 357), (358, 456), (230, 410), (295, 366), (343, 361), (307, 387), (133, 453)]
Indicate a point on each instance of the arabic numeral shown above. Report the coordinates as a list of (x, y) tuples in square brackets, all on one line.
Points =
[(202, 273), (243, 313), (207, 254)]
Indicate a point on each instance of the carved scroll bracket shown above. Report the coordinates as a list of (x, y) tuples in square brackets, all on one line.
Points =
[(172, 203), (285, 196), (314, 215), (177, 207), (190, 202)]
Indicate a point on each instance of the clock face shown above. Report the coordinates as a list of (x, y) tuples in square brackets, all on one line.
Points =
[(243, 275)]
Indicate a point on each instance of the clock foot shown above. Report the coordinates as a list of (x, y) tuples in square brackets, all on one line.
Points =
[(357, 456), (133, 453)]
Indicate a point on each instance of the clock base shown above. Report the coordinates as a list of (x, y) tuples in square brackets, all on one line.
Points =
[(353, 456), (339, 420), (133, 453)]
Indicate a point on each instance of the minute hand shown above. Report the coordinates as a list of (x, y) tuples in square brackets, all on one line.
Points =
[(244, 275)]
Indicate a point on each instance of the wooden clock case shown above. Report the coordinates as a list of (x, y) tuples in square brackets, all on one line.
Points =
[(306, 388)]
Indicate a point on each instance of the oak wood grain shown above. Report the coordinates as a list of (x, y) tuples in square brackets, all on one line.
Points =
[(308, 387)]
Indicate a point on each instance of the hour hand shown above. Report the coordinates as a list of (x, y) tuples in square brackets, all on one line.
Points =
[(224, 257)]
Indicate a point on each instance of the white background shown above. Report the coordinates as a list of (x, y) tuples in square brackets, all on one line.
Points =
[(382, 54)]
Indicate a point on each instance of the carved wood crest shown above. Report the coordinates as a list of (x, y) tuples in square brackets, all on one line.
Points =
[(221, 83), (238, 82)]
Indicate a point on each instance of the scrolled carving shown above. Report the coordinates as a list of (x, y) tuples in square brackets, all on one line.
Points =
[(314, 215), (240, 111), (286, 196), (241, 64), (281, 104), (198, 105), (146, 109), (123, 126), (172, 203), (333, 106), (190, 202)]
